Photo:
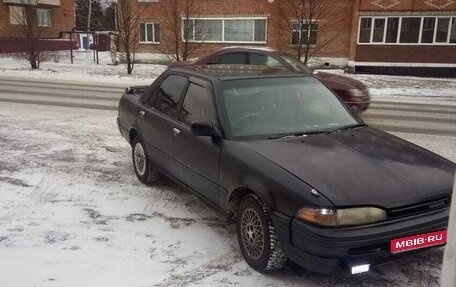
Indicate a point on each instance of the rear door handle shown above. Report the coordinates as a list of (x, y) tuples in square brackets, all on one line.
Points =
[(176, 131), (142, 114)]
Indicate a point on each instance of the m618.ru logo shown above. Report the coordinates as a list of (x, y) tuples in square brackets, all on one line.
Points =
[(418, 241)]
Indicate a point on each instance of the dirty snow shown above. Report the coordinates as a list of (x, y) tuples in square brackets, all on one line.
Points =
[(72, 213)]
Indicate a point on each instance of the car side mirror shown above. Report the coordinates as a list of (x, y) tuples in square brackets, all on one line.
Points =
[(204, 128)]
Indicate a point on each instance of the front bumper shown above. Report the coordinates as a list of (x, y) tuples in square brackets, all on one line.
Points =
[(335, 250)]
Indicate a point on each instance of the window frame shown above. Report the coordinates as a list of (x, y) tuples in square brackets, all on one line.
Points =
[(399, 28), (223, 19), (205, 85), (303, 22), (153, 23), (154, 94), (48, 12)]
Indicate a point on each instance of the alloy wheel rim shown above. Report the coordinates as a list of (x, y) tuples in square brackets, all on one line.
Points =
[(140, 159), (252, 233)]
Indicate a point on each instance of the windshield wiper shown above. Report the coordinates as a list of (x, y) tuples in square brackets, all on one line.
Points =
[(297, 135), (349, 127)]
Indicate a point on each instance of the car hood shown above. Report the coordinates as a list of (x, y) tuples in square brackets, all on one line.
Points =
[(362, 167), (340, 82)]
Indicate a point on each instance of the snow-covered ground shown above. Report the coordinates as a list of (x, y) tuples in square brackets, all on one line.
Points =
[(72, 213), (59, 67)]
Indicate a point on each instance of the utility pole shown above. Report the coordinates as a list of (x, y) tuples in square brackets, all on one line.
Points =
[(448, 278)]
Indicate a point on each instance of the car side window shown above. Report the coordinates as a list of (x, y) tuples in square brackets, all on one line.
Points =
[(265, 60), (230, 58), (198, 105), (166, 99)]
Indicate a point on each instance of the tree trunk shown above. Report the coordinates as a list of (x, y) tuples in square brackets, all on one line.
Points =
[(89, 16)]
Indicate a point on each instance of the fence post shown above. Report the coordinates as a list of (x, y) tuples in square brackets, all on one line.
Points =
[(448, 278)]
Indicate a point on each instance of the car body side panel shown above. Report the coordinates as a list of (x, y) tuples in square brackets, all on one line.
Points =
[(280, 190), (128, 109), (156, 131), (195, 161)]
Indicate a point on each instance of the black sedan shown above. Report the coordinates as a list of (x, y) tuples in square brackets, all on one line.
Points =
[(297, 172)]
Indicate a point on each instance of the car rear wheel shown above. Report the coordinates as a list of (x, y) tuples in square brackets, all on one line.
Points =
[(146, 172), (257, 237)]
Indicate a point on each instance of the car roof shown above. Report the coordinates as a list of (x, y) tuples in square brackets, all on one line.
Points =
[(235, 71), (252, 48)]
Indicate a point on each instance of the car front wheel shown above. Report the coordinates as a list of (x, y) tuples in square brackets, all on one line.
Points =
[(257, 237), (146, 172)]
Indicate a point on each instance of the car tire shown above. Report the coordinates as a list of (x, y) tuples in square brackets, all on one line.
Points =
[(146, 172), (257, 236)]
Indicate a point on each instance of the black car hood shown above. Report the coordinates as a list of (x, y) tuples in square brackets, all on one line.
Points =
[(362, 167)]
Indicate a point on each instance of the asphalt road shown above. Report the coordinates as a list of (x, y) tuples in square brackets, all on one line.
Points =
[(405, 116)]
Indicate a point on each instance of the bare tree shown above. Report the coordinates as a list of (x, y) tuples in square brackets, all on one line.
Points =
[(128, 18), (180, 38), (311, 25), (89, 14), (26, 19)]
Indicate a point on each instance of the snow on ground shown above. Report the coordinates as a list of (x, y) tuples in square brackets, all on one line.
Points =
[(392, 86), (72, 213), (59, 67)]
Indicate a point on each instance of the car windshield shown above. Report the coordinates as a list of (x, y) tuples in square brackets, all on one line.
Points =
[(283, 106), (297, 65)]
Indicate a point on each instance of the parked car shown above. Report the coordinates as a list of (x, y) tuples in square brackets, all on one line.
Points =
[(296, 170), (352, 92)]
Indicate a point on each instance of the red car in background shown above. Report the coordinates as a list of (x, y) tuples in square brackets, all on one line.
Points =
[(353, 92)]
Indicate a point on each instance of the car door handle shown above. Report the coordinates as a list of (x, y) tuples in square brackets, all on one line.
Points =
[(142, 114), (176, 131)]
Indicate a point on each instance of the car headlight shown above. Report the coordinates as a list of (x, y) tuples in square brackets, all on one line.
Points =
[(343, 216), (358, 92)]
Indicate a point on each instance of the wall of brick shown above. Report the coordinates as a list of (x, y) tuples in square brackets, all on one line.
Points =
[(407, 5), (277, 37), (406, 54), (62, 20)]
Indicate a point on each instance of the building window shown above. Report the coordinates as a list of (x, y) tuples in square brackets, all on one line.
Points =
[(44, 17), (149, 33), (365, 30), (427, 36), (408, 30), (392, 30), (453, 30), (16, 15), (304, 32), (379, 30), (229, 30)]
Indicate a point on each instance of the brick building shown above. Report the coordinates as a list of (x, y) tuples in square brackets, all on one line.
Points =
[(391, 36), (53, 17)]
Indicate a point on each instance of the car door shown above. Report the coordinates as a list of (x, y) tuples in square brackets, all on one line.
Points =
[(156, 118), (196, 158)]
